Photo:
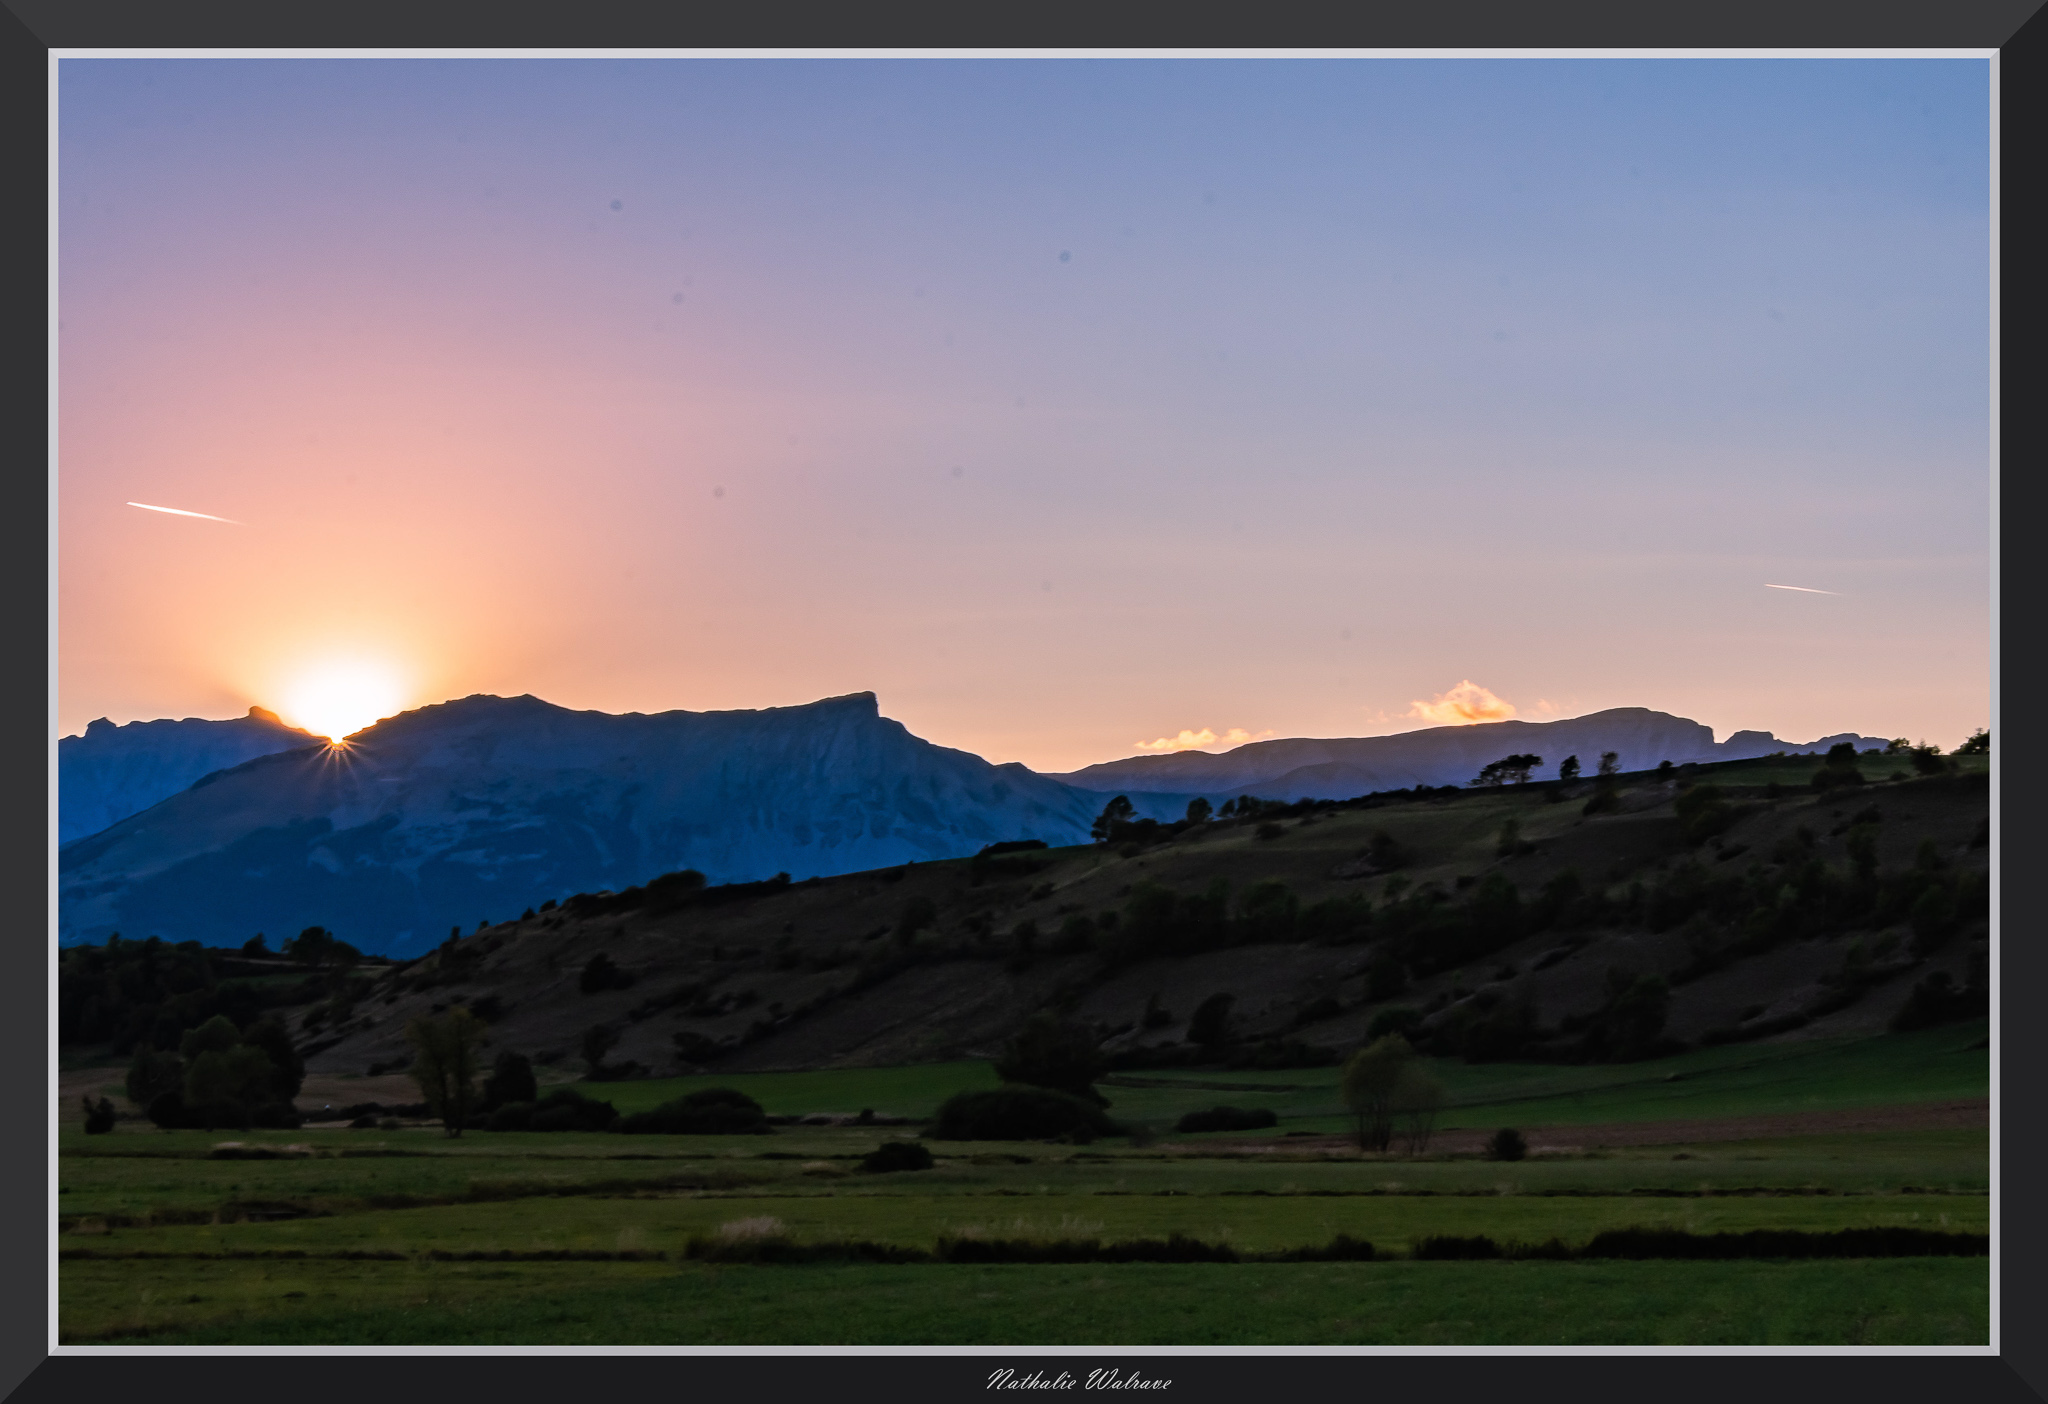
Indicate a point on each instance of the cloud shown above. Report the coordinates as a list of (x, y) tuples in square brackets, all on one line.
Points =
[(1196, 740), (1463, 705)]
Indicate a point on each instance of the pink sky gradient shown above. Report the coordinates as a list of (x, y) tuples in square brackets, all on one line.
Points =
[(1299, 432)]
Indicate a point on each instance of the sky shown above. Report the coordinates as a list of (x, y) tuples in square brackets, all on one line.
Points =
[(1074, 407)]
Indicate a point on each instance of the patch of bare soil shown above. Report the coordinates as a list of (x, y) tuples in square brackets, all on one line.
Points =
[(1926, 1116), (328, 1090)]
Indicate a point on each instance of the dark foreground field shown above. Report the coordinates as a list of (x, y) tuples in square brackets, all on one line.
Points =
[(378, 1237)]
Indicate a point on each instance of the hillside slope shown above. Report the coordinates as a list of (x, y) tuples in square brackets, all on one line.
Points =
[(1799, 914), (478, 808)]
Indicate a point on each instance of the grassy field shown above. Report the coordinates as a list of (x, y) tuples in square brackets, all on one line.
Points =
[(1931, 1065), (1889, 1302), (127, 1198)]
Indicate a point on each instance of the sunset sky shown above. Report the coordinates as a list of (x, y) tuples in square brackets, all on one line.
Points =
[(1071, 406)]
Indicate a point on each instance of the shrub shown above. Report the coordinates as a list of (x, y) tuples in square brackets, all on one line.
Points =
[(1398, 1020), (566, 1109), (1227, 1119), (1268, 831), (600, 974), (1936, 1000), (1506, 1144), (892, 1156), (1048, 1052), (1019, 1113), (1210, 1026), (714, 1111), (99, 1116), (511, 1080)]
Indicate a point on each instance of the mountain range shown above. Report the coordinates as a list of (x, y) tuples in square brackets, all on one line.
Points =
[(111, 771), (475, 809), (472, 810), (1440, 755)]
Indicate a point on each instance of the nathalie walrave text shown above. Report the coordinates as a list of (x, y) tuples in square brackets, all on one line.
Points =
[(1097, 1379)]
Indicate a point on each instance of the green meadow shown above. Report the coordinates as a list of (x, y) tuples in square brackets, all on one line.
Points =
[(173, 1237)]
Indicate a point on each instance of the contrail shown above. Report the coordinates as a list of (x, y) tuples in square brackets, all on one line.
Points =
[(180, 512), (1802, 589)]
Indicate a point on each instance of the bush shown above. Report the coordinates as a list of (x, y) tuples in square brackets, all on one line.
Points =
[(715, 1111), (99, 1116), (565, 1109), (1047, 1052), (600, 974), (1398, 1020), (1019, 1113), (1506, 1144), (1936, 1000), (511, 1080), (1227, 1119), (1210, 1026), (892, 1156)]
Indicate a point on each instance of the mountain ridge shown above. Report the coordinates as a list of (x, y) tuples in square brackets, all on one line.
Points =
[(1339, 768)]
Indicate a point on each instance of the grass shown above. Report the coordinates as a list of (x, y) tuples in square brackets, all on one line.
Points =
[(1252, 1222), (1890, 1302), (1929, 1065), (414, 1191)]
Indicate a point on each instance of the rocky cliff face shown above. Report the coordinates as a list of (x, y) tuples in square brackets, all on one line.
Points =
[(113, 771), (478, 808), (1443, 755)]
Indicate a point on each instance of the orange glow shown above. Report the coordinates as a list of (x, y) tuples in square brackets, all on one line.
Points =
[(339, 697), (1196, 740), (1463, 705)]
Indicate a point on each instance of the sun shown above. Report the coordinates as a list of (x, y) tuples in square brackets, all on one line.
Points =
[(341, 697)]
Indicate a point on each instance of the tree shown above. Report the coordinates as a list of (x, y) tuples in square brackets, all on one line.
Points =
[(1610, 762), (227, 1084), (1979, 744), (1050, 1052), (1927, 760), (1210, 1026), (444, 1064), (152, 1074), (918, 913), (255, 946), (598, 1042), (1370, 1082), (1568, 769), (1506, 1144), (511, 1080), (1507, 770), (1118, 811), (1418, 1097), (1838, 768), (1198, 810), (99, 1116), (600, 973), (269, 1034)]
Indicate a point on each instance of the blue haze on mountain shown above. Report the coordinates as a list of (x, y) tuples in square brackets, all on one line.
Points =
[(113, 771), (475, 809)]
